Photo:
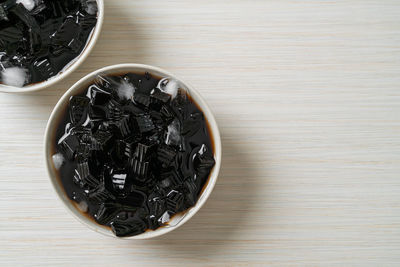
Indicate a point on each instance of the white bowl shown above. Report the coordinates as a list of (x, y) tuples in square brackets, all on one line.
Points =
[(70, 67), (59, 111)]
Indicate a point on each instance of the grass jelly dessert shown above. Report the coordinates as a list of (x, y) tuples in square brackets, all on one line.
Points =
[(40, 38), (132, 150)]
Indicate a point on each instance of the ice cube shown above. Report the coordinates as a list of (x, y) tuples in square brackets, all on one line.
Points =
[(100, 194), (128, 227), (170, 177), (138, 169), (141, 151), (3, 15), (173, 134), (193, 124), (126, 90), (28, 4), (90, 6), (175, 201), (166, 155), (160, 96), (58, 160), (191, 190), (123, 126), (83, 206), (66, 33), (76, 44), (69, 144), (169, 86), (107, 212), (203, 160), (14, 76), (164, 218)]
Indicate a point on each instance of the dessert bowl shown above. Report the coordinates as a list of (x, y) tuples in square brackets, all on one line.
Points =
[(50, 139), (71, 66)]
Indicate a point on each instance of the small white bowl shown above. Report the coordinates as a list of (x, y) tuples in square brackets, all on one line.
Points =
[(70, 67), (59, 111)]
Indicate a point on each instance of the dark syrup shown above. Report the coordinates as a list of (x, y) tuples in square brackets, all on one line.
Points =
[(43, 41), (175, 187)]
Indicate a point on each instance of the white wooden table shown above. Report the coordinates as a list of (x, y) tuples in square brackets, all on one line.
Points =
[(307, 96)]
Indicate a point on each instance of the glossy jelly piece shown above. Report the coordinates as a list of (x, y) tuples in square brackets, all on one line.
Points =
[(66, 33), (121, 152), (157, 119), (128, 227), (100, 194), (144, 123), (175, 201), (83, 169), (107, 212), (134, 198), (69, 144), (167, 114), (49, 27), (160, 96), (23, 14), (133, 109), (165, 155)]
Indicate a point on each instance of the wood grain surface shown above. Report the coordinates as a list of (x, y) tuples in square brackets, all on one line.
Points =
[(306, 94)]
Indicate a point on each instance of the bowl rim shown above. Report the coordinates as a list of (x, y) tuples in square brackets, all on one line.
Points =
[(71, 66), (68, 204)]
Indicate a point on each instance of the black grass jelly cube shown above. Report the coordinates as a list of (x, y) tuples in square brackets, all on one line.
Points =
[(175, 201), (142, 99), (69, 144), (144, 123), (128, 227), (78, 109)]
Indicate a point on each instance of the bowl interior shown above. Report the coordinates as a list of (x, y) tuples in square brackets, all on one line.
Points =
[(59, 111), (70, 67)]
